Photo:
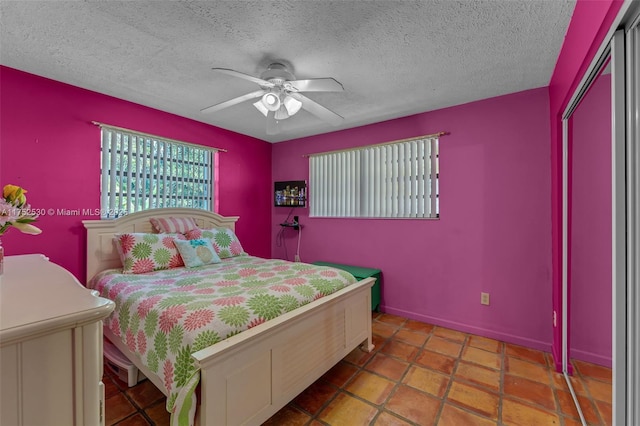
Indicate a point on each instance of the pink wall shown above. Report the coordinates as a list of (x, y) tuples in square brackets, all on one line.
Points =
[(49, 146), (494, 231), (591, 226), (589, 25)]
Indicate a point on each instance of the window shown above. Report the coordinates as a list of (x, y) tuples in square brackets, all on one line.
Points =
[(142, 172), (391, 180)]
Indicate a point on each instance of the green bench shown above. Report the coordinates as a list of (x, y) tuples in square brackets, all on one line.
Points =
[(361, 273)]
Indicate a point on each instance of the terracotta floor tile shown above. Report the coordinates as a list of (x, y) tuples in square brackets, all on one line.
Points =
[(117, 407), (426, 380), (413, 405), (566, 404), (391, 319), (568, 407), (475, 399), (387, 366), (454, 416), (388, 419), (347, 410), (378, 342), (568, 421), (145, 394), (400, 350), (559, 382), (421, 327), (526, 354), (517, 413), (479, 375), (530, 391), (135, 420), (482, 357), (485, 343), (443, 346), (447, 333), (417, 374), (383, 329), (110, 388), (359, 357), (288, 416), (411, 337), (340, 374), (605, 410), (593, 371), (598, 390), (527, 370), (436, 361), (371, 387), (159, 414), (589, 410), (313, 398)]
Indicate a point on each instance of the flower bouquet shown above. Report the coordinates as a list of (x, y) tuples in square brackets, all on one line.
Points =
[(15, 212)]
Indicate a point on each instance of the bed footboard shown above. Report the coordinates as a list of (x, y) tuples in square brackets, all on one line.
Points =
[(249, 377)]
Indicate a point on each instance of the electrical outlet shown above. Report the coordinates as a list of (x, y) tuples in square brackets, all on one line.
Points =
[(484, 298)]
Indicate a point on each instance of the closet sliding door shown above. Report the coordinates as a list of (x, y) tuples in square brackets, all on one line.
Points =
[(630, 412), (587, 248), (619, 60)]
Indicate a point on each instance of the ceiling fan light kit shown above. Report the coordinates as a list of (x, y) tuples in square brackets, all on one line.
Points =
[(281, 95), (292, 105), (271, 101), (281, 114)]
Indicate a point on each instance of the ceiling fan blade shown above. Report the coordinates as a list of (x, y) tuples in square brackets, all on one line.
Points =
[(259, 81), (272, 124), (234, 101), (316, 85), (318, 110)]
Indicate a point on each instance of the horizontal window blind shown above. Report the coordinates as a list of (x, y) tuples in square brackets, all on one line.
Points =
[(140, 172), (394, 180)]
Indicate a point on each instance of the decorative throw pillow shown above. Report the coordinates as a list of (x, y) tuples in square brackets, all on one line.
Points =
[(197, 252), (172, 225), (224, 240), (142, 253)]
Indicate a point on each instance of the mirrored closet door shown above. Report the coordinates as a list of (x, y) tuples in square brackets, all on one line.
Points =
[(601, 218), (589, 245)]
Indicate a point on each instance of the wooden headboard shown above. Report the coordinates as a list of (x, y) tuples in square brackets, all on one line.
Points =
[(101, 250)]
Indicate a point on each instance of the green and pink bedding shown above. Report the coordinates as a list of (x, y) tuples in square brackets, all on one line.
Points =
[(165, 316)]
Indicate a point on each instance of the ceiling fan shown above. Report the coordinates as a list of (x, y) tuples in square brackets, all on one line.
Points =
[(281, 95)]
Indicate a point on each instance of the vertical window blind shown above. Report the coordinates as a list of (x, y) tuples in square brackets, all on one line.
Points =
[(393, 180), (142, 172)]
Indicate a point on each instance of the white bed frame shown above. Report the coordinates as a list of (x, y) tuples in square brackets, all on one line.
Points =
[(250, 376)]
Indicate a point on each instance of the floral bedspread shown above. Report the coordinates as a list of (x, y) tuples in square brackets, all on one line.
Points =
[(165, 316)]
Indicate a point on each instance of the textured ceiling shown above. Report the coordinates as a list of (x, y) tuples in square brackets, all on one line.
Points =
[(394, 58)]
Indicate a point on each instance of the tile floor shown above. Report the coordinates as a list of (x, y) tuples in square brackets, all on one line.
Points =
[(418, 374)]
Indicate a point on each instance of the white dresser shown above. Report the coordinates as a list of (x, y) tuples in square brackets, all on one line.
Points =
[(50, 346)]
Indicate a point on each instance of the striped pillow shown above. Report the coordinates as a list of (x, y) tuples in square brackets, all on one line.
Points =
[(173, 225)]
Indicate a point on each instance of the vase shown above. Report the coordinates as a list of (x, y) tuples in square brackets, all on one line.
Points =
[(1, 258)]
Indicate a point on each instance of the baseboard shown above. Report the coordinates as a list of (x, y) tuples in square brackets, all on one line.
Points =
[(505, 337), (592, 358)]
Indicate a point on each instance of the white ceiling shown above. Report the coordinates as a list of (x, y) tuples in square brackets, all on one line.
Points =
[(394, 58)]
